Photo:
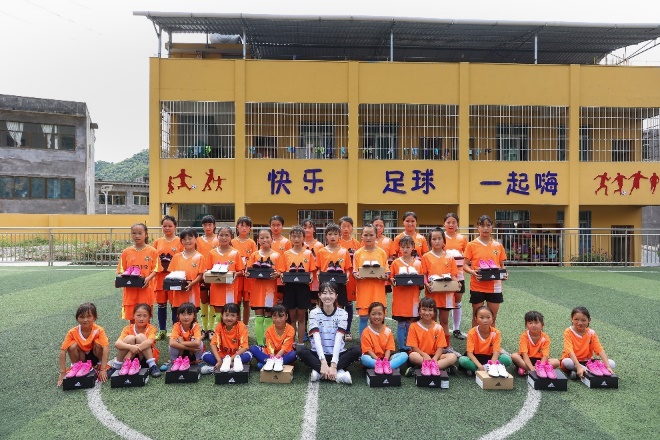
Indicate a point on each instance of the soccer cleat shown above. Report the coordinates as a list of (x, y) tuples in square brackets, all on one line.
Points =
[(435, 370), (216, 268), (257, 264), (226, 364), (426, 368), (403, 270), (293, 268), (483, 265), (238, 364), (84, 369), (136, 271), (301, 268), (135, 367), (412, 270), (603, 368), (378, 369), (207, 369), (267, 264), (549, 370), (366, 264), (154, 371), (126, 367), (111, 371), (458, 334), (176, 365), (491, 369), (501, 369), (209, 334), (572, 375), (387, 368), (224, 268), (594, 368), (162, 334), (344, 377), (128, 271), (270, 363), (522, 371), (166, 366), (492, 264), (74, 369), (540, 370), (452, 369), (185, 364), (314, 376), (375, 263), (279, 364)]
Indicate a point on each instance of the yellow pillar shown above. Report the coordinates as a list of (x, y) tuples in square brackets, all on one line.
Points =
[(239, 136), (155, 179), (464, 145), (572, 211), (353, 141)]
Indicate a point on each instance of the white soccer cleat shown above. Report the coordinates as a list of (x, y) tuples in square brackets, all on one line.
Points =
[(238, 364), (226, 364), (270, 363), (344, 377)]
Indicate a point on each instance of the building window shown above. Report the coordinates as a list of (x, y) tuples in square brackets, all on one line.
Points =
[(114, 198), (621, 150), (320, 217), (35, 135), (190, 216), (379, 142), (585, 144), (390, 219), (561, 143), (512, 143), (317, 141), (141, 198), (651, 140), (23, 187)]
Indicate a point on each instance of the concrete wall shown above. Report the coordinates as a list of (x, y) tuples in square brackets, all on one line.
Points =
[(127, 188)]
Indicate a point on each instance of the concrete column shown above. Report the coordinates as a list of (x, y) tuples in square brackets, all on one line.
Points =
[(464, 145), (572, 211), (239, 154), (353, 141)]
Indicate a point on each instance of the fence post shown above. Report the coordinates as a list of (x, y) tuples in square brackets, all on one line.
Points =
[(51, 250)]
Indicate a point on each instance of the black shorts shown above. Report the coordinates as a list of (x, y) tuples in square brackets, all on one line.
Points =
[(404, 318), (296, 296), (479, 297), (342, 298), (482, 358), (92, 357)]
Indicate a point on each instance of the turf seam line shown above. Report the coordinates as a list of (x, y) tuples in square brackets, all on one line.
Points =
[(529, 408), (107, 419), (308, 431)]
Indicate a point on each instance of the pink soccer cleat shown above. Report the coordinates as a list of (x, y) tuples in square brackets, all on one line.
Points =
[(483, 265), (126, 367), (85, 368), (176, 365), (492, 264), (540, 370), (74, 369), (603, 368), (549, 370), (435, 370), (387, 368), (378, 369), (184, 365), (135, 367), (426, 368), (594, 368), (136, 271), (128, 271)]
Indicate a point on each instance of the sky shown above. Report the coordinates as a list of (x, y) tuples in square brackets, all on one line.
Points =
[(96, 51)]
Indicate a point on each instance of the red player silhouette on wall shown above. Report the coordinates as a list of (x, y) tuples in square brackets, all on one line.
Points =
[(219, 186), (211, 178), (619, 180), (170, 186), (603, 178), (636, 178), (182, 179), (654, 182)]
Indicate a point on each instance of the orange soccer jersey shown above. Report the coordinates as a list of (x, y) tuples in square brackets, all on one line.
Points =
[(280, 246), (228, 342), (195, 332), (276, 342), (370, 289), (476, 250), (477, 345), (421, 245), (204, 245), (434, 265), (148, 261), (163, 246), (221, 294), (192, 266), (583, 346), (377, 342), (149, 333), (428, 340), (339, 256), (405, 299), (315, 247), (350, 245), (306, 258), (538, 350), (245, 248), (75, 336), (263, 291), (455, 246)]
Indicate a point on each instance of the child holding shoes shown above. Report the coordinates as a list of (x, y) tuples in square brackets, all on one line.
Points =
[(378, 343), (483, 347), (136, 344), (534, 349), (186, 343), (405, 299), (229, 345), (279, 343)]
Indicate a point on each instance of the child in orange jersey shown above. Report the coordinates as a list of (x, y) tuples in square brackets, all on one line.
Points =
[(167, 246), (262, 295), (314, 246), (86, 344), (205, 243), (279, 244), (136, 344), (405, 299), (333, 256), (410, 229), (426, 340), (484, 249), (349, 243), (186, 344), (279, 349), (369, 289), (146, 259), (224, 254), (580, 344), (382, 241), (245, 247), (437, 263), (193, 264), (378, 343), (455, 245), (229, 343), (534, 347), (297, 295), (483, 344)]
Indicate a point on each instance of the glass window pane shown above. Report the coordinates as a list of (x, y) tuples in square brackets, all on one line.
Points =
[(21, 187), (53, 188), (68, 188), (67, 137), (6, 187), (37, 188)]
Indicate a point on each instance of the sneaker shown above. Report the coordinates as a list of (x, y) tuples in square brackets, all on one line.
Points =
[(375, 263), (176, 364), (459, 335), (491, 369), (128, 271), (434, 278), (314, 376), (238, 364), (348, 337), (435, 370), (594, 368), (483, 265), (403, 270), (549, 370), (469, 373), (279, 364), (452, 369), (266, 264), (125, 367), (111, 371), (167, 365), (74, 369), (216, 268), (572, 375), (387, 368), (540, 370), (135, 367), (185, 364), (209, 334), (366, 264), (270, 363), (85, 368), (492, 264), (379, 366), (501, 369), (224, 268), (412, 270), (293, 268), (301, 268), (344, 377), (257, 264), (162, 334), (226, 364), (135, 272), (154, 371), (603, 368), (203, 334), (410, 372), (207, 369), (522, 372), (426, 368), (446, 277)]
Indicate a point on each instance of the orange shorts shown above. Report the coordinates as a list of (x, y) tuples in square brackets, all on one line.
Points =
[(443, 300), (163, 296)]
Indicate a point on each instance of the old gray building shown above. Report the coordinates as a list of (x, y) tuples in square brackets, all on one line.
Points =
[(122, 197)]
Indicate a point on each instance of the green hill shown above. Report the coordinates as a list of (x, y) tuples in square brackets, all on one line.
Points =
[(125, 171)]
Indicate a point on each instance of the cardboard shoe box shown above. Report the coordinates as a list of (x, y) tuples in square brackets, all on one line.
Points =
[(409, 280), (129, 282), (383, 380), (296, 277), (487, 382), (259, 273), (492, 274), (546, 384), (80, 383), (126, 381), (445, 286), (191, 375), (441, 381), (232, 377), (593, 381), (285, 376), (334, 277), (219, 278), (174, 284), (372, 272)]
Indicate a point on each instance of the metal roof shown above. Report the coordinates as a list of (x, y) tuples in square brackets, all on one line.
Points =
[(414, 39)]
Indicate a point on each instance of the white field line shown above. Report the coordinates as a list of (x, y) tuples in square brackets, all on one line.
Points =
[(106, 418), (529, 408), (308, 431)]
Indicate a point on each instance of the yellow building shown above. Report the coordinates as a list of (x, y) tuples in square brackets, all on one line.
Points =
[(326, 116)]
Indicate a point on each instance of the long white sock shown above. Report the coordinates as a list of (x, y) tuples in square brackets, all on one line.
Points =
[(456, 316)]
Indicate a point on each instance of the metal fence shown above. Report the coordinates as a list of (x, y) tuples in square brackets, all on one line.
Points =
[(559, 247)]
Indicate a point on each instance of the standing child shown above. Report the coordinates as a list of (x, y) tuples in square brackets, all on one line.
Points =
[(378, 343), (369, 289), (86, 344), (262, 296), (335, 258), (328, 357), (483, 346), (405, 299), (167, 246), (279, 343), (426, 340), (534, 348), (580, 344), (483, 252), (245, 247), (296, 295), (410, 229), (143, 260), (437, 264), (136, 345), (280, 244), (229, 343), (186, 344), (349, 243), (455, 245), (382, 241), (205, 243), (224, 254), (193, 264), (314, 246)]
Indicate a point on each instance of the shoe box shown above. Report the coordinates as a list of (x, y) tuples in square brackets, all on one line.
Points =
[(79, 383), (174, 284), (492, 274), (129, 282), (487, 382), (219, 278), (334, 277), (546, 384), (372, 272), (285, 376), (296, 277), (233, 377), (126, 381), (445, 286), (259, 272), (409, 280), (383, 380), (191, 375), (422, 381), (593, 381)]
